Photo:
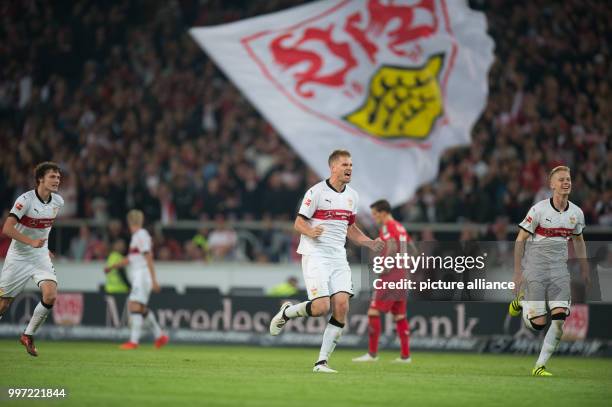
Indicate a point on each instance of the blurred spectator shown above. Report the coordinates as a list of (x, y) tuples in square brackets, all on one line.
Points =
[(200, 240), (222, 240), (192, 252), (80, 244), (116, 277), (286, 289), (166, 248)]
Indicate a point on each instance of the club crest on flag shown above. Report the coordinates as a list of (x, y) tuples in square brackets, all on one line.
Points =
[(401, 102), (375, 57), (396, 82)]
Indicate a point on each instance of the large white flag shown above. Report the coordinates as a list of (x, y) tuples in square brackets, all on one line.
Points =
[(394, 82)]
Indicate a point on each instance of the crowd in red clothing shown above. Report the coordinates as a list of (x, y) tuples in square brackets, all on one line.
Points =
[(138, 116)]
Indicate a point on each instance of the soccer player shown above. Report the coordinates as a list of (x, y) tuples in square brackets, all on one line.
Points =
[(396, 241), (540, 264), (325, 219), (28, 225), (142, 273)]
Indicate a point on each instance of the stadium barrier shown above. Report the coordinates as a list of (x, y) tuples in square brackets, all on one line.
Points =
[(211, 318), (65, 229)]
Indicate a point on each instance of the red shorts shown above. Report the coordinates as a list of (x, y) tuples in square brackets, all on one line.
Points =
[(395, 307)]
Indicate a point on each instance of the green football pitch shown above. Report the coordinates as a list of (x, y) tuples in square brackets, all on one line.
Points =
[(98, 374)]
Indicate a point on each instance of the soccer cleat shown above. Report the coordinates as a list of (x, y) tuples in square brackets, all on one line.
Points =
[(540, 371), (323, 368), (129, 346), (279, 320), (515, 307), (405, 361), (161, 340), (366, 358), (28, 342)]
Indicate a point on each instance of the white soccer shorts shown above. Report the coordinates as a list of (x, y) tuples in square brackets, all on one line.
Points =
[(16, 273), (141, 286), (546, 291), (325, 277)]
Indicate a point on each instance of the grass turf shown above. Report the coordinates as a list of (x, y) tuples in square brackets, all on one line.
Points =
[(98, 374)]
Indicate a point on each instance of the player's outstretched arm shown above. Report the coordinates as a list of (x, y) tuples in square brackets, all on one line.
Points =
[(149, 258), (9, 230), (355, 235), (519, 251), (581, 255), (301, 226)]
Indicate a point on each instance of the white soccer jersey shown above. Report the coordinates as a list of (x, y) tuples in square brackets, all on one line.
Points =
[(333, 210), (550, 229), (35, 218), (139, 245)]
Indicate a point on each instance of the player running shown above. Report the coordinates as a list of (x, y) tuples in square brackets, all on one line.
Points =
[(396, 240), (540, 264), (28, 225), (142, 273), (325, 219)]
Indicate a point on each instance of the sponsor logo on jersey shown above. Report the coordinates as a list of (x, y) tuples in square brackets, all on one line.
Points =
[(19, 206), (308, 201), (528, 219)]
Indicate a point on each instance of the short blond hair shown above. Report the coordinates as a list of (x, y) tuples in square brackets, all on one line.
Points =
[(556, 170), (135, 217), (337, 154)]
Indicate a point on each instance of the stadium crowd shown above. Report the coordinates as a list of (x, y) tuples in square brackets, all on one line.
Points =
[(138, 116)]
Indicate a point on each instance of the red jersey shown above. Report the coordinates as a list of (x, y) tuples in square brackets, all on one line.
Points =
[(396, 241)]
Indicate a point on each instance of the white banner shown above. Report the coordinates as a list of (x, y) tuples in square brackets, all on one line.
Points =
[(395, 83)]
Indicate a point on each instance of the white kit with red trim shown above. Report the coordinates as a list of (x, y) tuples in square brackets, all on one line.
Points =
[(140, 244), (334, 211), (35, 219), (550, 228)]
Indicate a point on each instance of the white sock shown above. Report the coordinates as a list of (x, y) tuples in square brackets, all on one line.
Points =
[(157, 331), (136, 328), (551, 341), (38, 317), (297, 310), (331, 336)]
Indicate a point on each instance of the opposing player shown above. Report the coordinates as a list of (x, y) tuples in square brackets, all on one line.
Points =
[(396, 240), (540, 264), (325, 219), (142, 273), (28, 225)]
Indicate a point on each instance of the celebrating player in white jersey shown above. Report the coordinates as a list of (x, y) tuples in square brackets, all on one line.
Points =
[(28, 225), (540, 264), (142, 274), (325, 219)]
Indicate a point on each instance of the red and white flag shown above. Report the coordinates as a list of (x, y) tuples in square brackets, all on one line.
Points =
[(394, 82)]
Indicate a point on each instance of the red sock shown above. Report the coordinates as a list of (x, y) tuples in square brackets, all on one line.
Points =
[(374, 333), (403, 332)]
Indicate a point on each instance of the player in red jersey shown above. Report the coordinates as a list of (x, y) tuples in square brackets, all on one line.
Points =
[(396, 240)]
